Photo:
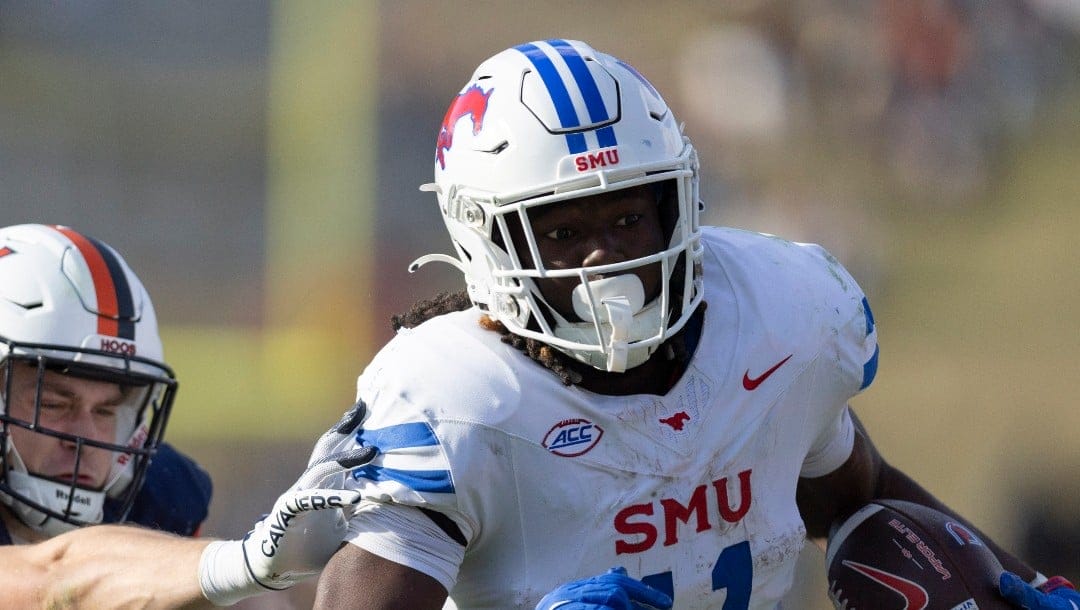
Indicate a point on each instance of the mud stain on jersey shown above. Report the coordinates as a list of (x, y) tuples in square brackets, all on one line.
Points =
[(772, 551)]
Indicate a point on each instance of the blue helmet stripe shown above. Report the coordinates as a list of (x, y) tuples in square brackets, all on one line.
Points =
[(560, 97), (594, 102)]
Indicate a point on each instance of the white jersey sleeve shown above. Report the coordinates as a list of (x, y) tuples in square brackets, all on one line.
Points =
[(405, 535), (404, 388), (832, 447), (856, 355), (801, 293)]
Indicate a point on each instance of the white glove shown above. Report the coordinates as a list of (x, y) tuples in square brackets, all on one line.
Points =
[(299, 535)]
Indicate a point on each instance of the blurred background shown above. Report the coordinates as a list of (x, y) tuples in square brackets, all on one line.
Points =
[(257, 163)]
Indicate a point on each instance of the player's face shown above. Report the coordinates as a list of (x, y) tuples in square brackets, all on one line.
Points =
[(600, 229), (80, 407)]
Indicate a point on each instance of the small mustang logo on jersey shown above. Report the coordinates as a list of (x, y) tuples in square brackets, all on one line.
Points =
[(676, 421), (473, 102), (572, 437), (5, 251), (751, 384)]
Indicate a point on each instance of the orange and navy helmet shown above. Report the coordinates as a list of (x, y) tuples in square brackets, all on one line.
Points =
[(71, 306)]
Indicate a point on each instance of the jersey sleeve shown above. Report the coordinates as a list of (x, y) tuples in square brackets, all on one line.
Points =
[(831, 448), (410, 500), (856, 340), (405, 535), (850, 343)]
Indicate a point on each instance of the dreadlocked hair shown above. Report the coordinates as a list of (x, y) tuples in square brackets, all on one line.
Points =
[(550, 358), (555, 361), (426, 309)]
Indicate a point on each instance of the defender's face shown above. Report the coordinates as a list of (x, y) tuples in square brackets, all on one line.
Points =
[(600, 229), (75, 406)]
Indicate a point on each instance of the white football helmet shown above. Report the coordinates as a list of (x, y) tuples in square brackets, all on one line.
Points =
[(70, 304), (553, 120)]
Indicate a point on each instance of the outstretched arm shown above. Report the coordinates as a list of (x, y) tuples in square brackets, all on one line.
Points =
[(114, 566), (104, 566), (120, 566)]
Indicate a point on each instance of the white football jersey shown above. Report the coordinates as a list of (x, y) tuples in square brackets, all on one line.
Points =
[(694, 491)]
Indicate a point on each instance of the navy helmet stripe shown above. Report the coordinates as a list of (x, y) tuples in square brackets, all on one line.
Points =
[(115, 307), (125, 304)]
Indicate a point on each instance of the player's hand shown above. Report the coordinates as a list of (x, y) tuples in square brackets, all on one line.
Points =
[(1055, 594), (345, 428), (295, 540), (306, 525), (613, 590)]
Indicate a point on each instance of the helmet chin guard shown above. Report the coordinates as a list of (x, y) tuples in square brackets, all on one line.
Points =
[(74, 503), (542, 123), (612, 308)]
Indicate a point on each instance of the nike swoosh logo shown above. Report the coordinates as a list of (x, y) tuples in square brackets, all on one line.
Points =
[(752, 384), (915, 597)]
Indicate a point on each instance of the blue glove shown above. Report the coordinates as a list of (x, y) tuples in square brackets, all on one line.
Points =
[(1056, 594), (613, 590)]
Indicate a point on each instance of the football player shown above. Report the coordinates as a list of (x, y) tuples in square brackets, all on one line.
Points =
[(123, 566), (616, 385), (84, 398), (84, 394)]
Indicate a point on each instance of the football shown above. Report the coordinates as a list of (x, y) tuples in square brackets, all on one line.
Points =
[(896, 555)]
